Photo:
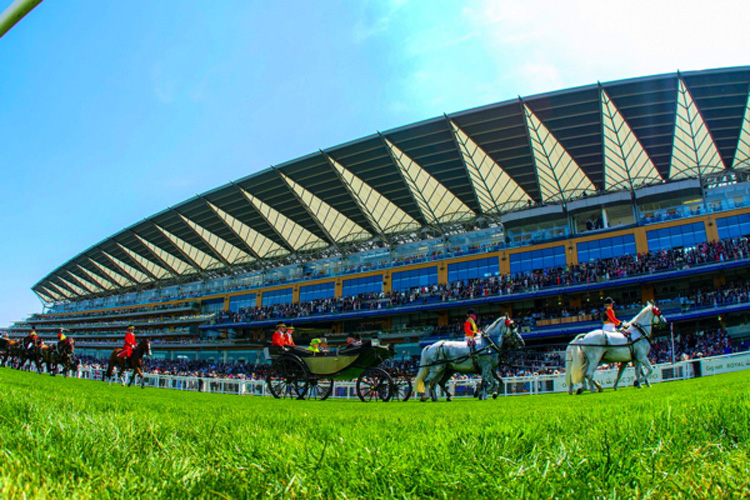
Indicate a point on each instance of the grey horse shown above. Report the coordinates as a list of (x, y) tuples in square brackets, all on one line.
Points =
[(587, 351), (443, 358)]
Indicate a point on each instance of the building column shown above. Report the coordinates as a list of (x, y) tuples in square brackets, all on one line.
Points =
[(712, 233), (442, 273), (641, 241), (720, 280), (387, 283), (571, 253), (443, 319), (647, 293)]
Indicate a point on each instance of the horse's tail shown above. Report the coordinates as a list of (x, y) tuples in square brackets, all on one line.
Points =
[(111, 365), (575, 362), (423, 371)]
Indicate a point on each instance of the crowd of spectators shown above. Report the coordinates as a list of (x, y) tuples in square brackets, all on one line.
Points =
[(704, 343), (586, 272), (190, 368)]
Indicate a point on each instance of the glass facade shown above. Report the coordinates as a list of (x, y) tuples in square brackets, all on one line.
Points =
[(315, 292), (369, 284), (525, 262), (283, 296), (212, 306), (405, 280), (241, 301), (472, 269), (733, 227), (687, 235), (606, 248)]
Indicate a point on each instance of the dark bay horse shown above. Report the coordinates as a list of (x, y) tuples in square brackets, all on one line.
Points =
[(135, 363), (67, 357), (23, 356), (7, 350), (64, 356), (49, 357)]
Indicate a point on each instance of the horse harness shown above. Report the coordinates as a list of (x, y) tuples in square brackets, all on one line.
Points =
[(644, 336), (491, 345)]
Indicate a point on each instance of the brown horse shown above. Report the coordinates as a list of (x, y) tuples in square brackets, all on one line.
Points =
[(134, 362), (64, 356), (24, 355), (7, 350), (49, 358)]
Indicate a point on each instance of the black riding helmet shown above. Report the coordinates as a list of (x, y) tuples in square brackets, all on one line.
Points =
[(609, 300)]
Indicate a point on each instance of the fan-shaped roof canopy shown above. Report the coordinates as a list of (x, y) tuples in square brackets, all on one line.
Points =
[(543, 149)]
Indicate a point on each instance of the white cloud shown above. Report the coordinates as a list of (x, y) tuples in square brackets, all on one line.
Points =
[(495, 50)]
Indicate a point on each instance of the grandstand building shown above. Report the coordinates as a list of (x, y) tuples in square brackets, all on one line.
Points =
[(539, 206)]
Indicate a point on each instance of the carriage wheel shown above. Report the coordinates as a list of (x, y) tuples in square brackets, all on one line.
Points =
[(319, 389), (402, 388), (374, 383), (287, 378)]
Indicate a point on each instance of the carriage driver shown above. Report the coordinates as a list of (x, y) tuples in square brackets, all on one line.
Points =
[(281, 337), (611, 323), (288, 340), (127, 348), (471, 330)]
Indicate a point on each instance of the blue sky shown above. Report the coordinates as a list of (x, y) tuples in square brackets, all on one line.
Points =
[(112, 111)]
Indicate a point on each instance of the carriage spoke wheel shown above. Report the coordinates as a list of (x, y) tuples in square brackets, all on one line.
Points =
[(402, 388), (374, 384), (287, 378), (319, 389)]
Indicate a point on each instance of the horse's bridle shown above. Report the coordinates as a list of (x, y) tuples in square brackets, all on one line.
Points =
[(510, 326), (642, 329)]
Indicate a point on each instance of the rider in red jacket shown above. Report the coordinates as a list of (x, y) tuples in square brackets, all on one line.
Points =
[(127, 349), (279, 336), (471, 330), (611, 323)]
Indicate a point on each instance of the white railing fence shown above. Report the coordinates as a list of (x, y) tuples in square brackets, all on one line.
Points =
[(512, 386)]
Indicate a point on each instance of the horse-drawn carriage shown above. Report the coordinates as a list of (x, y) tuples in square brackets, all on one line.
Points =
[(302, 374)]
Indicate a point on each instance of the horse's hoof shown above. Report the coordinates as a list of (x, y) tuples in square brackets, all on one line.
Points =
[(423, 399), (494, 395), (579, 391), (600, 389), (449, 399)]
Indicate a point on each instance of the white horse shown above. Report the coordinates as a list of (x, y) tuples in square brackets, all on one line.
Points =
[(442, 359), (587, 351)]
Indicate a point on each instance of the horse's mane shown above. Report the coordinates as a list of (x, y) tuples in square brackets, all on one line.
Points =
[(647, 308)]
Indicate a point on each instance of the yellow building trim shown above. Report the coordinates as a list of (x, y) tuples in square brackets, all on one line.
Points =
[(570, 245)]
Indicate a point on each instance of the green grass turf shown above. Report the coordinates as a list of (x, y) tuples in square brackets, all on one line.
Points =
[(66, 438)]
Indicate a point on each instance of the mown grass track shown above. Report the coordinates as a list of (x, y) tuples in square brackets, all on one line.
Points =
[(65, 438)]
